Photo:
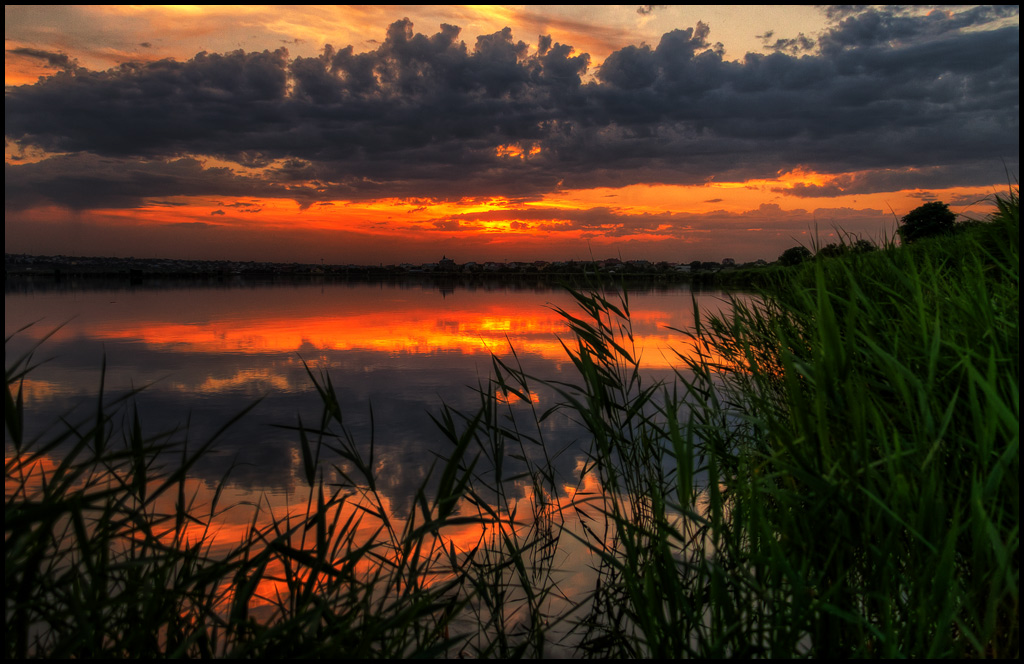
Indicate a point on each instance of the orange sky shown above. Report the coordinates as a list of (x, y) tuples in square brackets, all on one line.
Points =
[(97, 195)]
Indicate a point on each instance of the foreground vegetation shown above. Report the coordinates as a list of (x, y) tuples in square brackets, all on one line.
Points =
[(834, 473)]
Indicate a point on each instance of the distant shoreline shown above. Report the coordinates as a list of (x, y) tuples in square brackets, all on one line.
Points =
[(135, 270), (27, 283)]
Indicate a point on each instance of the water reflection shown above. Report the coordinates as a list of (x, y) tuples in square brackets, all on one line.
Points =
[(540, 527), (394, 353)]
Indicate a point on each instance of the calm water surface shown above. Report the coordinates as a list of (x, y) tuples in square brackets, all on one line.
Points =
[(400, 350), (394, 352)]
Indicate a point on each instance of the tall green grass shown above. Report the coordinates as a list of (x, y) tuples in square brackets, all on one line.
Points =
[(832, 473), (109, 554), (860, 431), (854, 435)]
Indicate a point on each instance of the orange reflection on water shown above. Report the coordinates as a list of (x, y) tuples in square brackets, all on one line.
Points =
[(34, 389), (226, 523), (247, 378), (412, 331), (419, 332), (206, 327), (27, 475)]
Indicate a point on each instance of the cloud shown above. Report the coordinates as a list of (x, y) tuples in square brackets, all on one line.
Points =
[(645, 10), (428, 115), (869, 182), (59, 60), (799, 44), (883, 26), (86, 181), (608, 222)]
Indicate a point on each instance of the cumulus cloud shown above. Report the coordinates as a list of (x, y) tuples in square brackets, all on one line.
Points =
[(429, 116)]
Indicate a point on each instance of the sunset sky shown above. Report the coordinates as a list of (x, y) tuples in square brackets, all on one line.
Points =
[(403, 133)]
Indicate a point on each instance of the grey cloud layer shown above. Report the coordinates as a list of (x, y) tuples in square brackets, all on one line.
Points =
[(424, 115)]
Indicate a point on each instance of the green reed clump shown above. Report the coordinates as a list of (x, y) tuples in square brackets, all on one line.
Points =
[(854, 437), (510, 577), (109, 553), (872, 470)]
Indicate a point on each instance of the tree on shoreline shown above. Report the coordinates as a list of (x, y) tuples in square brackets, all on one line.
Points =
[(794, 255), (928, 220)]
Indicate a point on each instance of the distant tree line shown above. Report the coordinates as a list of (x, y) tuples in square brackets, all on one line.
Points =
[(929, 220)]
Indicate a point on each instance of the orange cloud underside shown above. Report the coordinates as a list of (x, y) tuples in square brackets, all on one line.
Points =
[(394, 217)]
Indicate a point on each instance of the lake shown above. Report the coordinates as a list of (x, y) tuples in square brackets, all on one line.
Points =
[(395, 353)]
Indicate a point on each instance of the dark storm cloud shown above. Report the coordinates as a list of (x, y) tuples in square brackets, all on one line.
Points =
[(884, 25), (59, 60), (424, 116), (84, 181)]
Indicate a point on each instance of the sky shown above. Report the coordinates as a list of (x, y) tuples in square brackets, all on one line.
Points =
[(390, 134)]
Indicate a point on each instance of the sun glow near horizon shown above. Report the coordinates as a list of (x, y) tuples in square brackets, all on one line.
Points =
[(653, 215)]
